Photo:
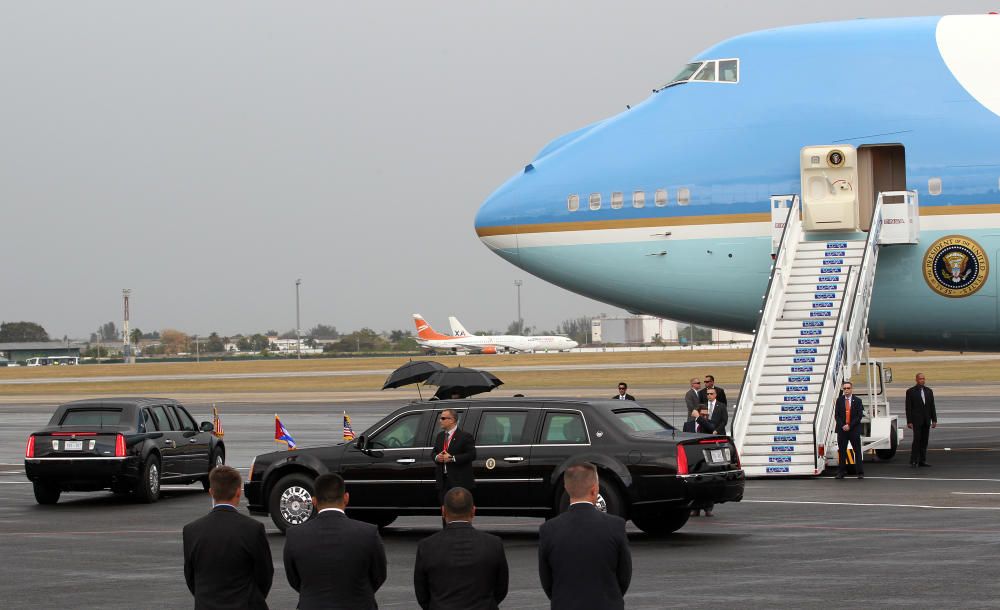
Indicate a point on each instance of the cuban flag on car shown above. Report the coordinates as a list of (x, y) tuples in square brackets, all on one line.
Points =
[(348, 430), (281, 435)]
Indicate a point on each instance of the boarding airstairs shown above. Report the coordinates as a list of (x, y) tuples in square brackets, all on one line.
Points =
[(812, 332)]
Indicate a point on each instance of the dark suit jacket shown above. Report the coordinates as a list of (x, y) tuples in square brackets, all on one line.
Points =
[(227, 561), (627, 397), (916, 411), (584, 560), (335, 562), (463, 448), (840, 414), (460, 568), (720, 416), (720, 395), (707, 427)]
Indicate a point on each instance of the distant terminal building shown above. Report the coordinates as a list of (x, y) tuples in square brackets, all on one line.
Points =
[(644, 330), (20, 352)]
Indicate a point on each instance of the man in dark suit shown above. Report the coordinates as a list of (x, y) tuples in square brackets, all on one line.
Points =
[(331, 560), (717, 412), (710, 385), (921, 416), (583, 555), (847, 414), (623, 393), (454, 451), (227, 559), (460, 567), (691, 399), (698, 421)]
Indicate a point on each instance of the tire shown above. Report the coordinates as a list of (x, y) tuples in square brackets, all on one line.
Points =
[(46, 493), (609, 499), (147, 488), (218, 458), (290, 502), (662, 522), (888, 454), (376, 517)]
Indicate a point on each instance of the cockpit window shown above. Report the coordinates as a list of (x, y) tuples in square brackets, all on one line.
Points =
[(711, 71)]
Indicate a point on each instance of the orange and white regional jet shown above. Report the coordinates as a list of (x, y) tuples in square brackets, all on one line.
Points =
[(430, 339)]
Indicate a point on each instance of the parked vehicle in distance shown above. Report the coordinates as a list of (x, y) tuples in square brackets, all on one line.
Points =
[(649, 471), (127, 445), (51, 360)]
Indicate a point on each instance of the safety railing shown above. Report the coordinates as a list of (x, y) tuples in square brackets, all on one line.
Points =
[(861, 304), (770, 306)]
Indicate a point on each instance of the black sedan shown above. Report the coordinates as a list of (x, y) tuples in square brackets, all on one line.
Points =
[(650, 472), (127, 445)]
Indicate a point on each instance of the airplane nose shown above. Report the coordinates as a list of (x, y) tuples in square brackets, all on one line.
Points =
[(496, 219)]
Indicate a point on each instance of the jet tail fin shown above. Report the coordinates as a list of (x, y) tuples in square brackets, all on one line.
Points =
[(456, 327), (424, 330)]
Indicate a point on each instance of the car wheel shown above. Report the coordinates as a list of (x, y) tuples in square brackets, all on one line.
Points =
[(147, 488), (290, 503), (375, 517), (217, 459), (46, 493), (609, 500), (888, 454), (661, 522)]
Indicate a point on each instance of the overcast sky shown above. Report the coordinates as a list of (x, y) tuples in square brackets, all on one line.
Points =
[(206, 155)]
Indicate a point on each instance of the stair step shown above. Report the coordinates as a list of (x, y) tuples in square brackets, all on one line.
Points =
[(782, 409), (790, 379), (811, 286), (806, 323), (780, 428), (813, 270), (786, 389), (777, 459), (811, 305), (778, 449), (780, 342), (777, 439), (798, 332), (774, 418), (778, 470), (826, 295), (812, 246)]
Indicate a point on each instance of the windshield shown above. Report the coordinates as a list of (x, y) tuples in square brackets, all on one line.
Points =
[(641, 421), (709, 71), (686, 72)]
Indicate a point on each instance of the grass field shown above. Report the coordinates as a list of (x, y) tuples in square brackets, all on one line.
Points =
[(362, 374)]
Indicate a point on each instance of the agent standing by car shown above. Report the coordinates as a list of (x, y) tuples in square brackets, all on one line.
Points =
[(623, 393), (921, 416), (227, 559), (454, 451), (583, 555), (331, 560)]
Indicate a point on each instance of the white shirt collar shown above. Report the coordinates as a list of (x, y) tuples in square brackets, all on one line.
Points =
[(339, 510), (218, 504), (581, 502)]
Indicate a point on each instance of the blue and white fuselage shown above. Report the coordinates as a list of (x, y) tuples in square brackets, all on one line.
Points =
[(664, 208)]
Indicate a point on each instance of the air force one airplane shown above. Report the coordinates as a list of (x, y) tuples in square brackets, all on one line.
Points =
[(669, 207), (461, 340)]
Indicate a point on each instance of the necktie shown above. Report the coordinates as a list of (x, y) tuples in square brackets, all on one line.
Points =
[(447, 440), (847, 410), (923, 398)]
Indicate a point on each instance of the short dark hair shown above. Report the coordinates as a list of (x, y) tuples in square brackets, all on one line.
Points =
[(329, 488), (579, 478), (710, 378), (622, 383), (847, 383), (458, 502), (224, 482)]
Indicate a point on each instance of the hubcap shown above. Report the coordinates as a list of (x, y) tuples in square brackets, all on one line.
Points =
[(295, 505), (601, 504), (154, 479), (218, 460)]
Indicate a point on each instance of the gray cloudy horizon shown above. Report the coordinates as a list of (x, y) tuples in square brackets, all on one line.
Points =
[(206, 155)]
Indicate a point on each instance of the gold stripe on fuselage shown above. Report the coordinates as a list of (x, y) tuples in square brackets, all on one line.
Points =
[(676, 221)]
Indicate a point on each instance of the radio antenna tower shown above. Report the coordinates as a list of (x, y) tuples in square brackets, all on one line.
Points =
[(126, 339)]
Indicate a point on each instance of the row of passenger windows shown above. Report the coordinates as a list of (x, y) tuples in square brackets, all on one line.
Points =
[(660, 199)]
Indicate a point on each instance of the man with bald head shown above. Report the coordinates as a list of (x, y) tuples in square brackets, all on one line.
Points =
[(583, 555)]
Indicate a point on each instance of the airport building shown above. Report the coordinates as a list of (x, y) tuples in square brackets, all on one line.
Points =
[(18, 352), (644, 330)]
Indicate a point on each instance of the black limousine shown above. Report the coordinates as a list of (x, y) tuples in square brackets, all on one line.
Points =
[(127, 445), (650, 472)]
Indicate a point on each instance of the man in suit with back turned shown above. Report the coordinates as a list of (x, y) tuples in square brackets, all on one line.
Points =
[(460, 568), (454, 451), (921, 416), (847, 414), (227, 559), (583, 555), (331, 560)]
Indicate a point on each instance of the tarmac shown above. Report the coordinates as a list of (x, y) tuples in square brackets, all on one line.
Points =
[(923, 538)]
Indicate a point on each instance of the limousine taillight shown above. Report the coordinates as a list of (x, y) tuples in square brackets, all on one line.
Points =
[(120, 445), (29, 451), (682, 460)]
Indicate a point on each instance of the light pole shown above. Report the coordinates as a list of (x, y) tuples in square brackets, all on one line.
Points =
[(298, 324), (197, 349), (520, 322)]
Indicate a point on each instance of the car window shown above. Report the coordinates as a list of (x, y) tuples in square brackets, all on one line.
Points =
[(164, 420), (91, 417), (564, 428), (502, 428), (148, 422), (640, 421), (185, 420), (400, 434)]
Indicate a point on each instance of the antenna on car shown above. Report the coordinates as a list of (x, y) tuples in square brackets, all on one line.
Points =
[(673, 417)]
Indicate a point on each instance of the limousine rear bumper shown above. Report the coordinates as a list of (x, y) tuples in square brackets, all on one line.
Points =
[(714, 487)]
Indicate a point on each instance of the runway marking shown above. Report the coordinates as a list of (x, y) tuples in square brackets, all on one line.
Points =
[(914, 530), (977, 493), (934, 479), (15, 482), (872, 504)]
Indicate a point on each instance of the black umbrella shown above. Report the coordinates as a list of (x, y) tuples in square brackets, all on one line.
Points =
[(413, 372), (463, 381)]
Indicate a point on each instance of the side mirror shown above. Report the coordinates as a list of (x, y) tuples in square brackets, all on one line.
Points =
[(361, 443), (888, 375), (206, 426)]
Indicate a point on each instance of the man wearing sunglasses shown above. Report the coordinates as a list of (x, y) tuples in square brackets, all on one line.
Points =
[(454, 451)]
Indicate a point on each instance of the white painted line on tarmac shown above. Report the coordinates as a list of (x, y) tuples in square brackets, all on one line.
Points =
[(872, 504), (977, 493), (933, 479), (15, 482)]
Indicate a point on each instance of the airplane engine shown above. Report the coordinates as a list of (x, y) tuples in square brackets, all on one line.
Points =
[(490, 349)]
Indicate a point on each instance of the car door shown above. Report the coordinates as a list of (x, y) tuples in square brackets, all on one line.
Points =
[(503, 458), (563, 434), (396, 470), (195, 443), (171, 444)]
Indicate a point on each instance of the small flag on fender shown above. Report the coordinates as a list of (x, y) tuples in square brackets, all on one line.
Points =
[(217, 423), (348, 430), (281, 435)]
